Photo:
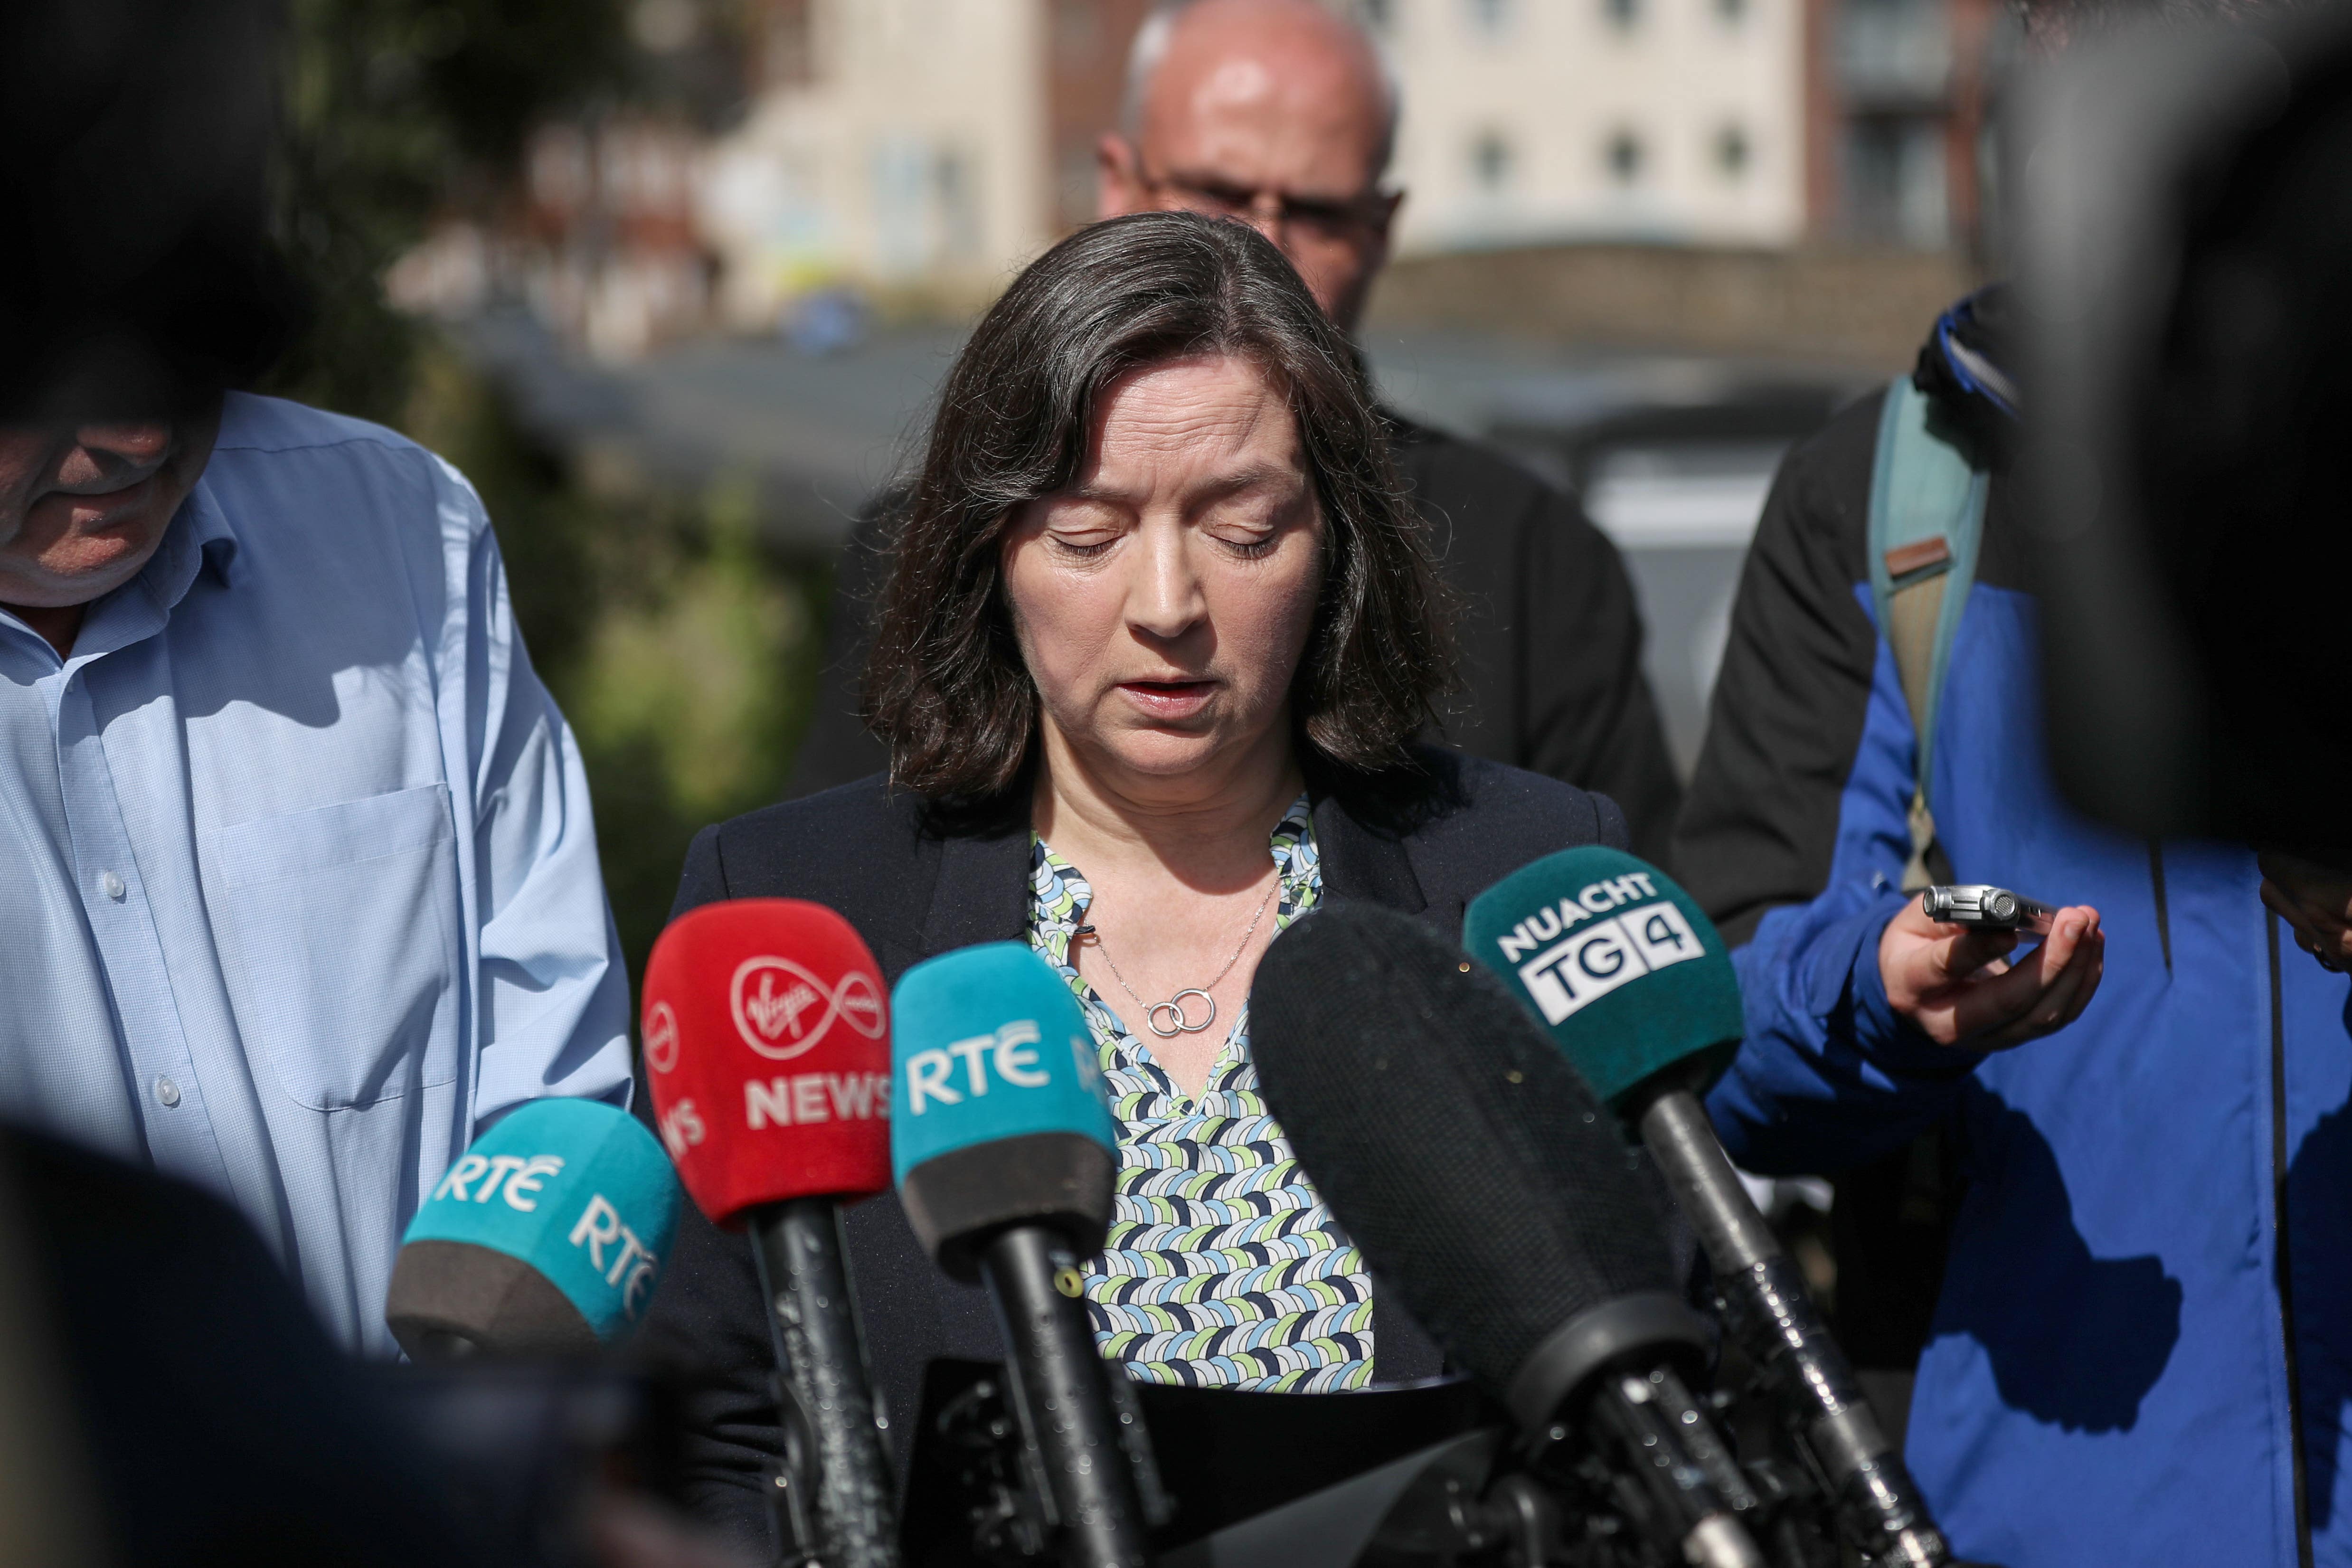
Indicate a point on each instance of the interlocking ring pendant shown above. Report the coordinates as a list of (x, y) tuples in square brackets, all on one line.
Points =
[(1174, 1008)]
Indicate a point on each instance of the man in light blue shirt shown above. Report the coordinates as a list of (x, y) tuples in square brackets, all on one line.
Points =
[(299, 885)]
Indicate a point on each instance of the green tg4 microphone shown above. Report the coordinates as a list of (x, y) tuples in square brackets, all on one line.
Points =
[(1635, 988)]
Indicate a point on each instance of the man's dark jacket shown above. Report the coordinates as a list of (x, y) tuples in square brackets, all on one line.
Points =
[(1550, 638), (913, 890)]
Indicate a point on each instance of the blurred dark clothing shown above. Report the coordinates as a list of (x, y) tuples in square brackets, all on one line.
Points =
[(219, 1424), (137, 272), (1550, 639)]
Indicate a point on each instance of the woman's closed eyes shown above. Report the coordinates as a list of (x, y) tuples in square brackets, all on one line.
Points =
[(1248, 525)]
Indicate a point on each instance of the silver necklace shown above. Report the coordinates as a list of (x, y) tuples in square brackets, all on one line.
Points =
[(1174, 1006)]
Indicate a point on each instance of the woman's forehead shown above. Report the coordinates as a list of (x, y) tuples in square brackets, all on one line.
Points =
[(1196, 416)]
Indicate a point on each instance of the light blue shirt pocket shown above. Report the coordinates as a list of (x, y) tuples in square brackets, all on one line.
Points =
[(340, 919)]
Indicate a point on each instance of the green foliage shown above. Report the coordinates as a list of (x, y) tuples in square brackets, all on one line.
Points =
[(694, 662), (683, 650)]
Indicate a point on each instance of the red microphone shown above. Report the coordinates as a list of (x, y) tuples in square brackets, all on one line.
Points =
[(768, 1051)]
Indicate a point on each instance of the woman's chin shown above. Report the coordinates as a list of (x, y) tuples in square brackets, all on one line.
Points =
[(1166, 754)]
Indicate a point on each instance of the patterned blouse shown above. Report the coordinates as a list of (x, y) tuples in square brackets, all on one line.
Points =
[(1223, 1266)]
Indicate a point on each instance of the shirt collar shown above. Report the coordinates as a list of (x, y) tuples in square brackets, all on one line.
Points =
[(213, 536), (197, 539)]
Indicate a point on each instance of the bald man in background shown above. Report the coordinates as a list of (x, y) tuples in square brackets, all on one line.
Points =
[(1279, 114)]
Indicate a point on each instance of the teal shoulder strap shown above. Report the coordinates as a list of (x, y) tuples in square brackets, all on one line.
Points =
[(1926, 517)]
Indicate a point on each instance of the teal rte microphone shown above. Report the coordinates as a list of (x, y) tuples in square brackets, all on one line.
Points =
[(1006, 1157), (1635, 985), (546, 1237)]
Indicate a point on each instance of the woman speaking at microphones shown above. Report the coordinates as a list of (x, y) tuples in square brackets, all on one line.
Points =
[(1158, 639)]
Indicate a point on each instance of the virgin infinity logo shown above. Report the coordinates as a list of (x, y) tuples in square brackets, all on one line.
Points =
[(781, 1010), (661, 1037)]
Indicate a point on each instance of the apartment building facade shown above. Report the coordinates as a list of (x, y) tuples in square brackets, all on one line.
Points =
[(930, 147)]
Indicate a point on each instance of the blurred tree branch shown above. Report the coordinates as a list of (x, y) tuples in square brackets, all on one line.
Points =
[(393, 110)]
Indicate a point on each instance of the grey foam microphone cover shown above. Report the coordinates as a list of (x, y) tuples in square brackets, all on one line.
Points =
[(453, 1299), (958, 1202), (1476, 1173)]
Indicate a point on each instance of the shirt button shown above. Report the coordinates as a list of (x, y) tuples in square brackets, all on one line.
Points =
[(168, 1092), (111, 884)]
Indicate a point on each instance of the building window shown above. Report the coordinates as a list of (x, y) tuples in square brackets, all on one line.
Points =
[(1490, 17), (1731, 151), (1894, 52), (958, 207), (926, 206), (1622, 15), (1625, 155), (1895, 191), (1490, 161), (1731, 13)]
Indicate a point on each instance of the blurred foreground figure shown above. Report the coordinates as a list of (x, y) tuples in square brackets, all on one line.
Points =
[(189, 1411), (1277, 114), (301, 880), (2141, 1347), (2190, 480), (167, 1401)]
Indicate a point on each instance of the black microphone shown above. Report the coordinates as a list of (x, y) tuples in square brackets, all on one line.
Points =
[(1005, 1155), (1632, 982), (1477, 1175)]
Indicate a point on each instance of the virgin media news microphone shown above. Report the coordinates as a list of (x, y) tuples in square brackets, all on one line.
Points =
[(546, 1237), (767, 1051), (1006, 1157), (1478, 1176), (1634, 985)]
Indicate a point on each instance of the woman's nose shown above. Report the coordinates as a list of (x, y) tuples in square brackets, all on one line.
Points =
[(1166, 600)]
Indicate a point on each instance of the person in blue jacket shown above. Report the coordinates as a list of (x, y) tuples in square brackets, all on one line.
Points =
[(2141, 1350)]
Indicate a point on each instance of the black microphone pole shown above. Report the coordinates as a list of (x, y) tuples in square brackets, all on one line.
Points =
[(838, 1500), (1083, 1433), (1765, 1301)]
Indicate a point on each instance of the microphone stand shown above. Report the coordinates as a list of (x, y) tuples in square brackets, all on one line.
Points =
[(838, 1500), (1764, 1297), (1063, 1401)]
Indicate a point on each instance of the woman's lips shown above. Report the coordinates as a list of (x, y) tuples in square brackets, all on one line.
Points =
[(1169, 699)]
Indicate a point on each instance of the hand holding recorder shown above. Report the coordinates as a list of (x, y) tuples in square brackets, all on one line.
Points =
[(1955, 979)]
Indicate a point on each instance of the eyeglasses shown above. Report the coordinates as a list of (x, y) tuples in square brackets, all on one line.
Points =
[(1315, 219)]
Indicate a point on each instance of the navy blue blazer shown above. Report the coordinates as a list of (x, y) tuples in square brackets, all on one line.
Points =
[(1423, 845)]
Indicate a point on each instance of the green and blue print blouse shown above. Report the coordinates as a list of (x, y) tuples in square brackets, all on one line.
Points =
[(1222, 1267)]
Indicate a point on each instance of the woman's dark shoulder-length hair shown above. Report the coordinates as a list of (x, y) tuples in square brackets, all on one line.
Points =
[(945, 686)]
